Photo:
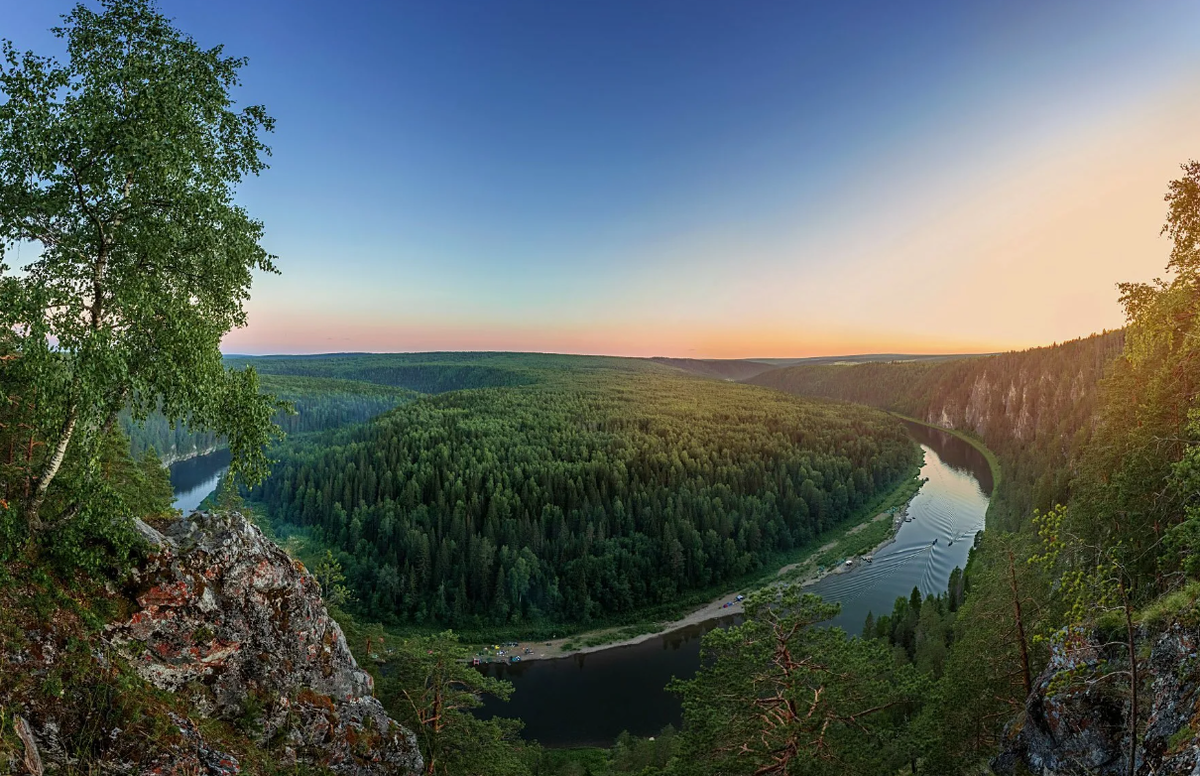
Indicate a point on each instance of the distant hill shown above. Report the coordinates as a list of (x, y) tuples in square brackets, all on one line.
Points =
[(866, 358), (720, 368)]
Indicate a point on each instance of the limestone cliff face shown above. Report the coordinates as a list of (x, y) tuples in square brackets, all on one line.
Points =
[(233, 623), (1076, 720), (1006, 399)]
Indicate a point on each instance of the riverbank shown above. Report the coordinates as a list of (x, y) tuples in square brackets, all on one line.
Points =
[(971, 439), (852, 543)]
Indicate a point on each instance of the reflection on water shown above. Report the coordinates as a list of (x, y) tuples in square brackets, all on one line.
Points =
[(947, 513), (587, 700), (193, 479)]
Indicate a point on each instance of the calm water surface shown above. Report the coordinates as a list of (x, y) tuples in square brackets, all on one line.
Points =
[(587, 700), (193, 479)]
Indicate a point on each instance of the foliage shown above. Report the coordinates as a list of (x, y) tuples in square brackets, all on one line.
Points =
[(778, 694), (333, 582), (431, 690), (590, 493), (992, 656), (1138, 484), (121, 163), (99, 539)]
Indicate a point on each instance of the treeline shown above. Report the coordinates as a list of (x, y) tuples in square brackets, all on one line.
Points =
[(590, 494), (421, 372), (719, 368), (319, 404)]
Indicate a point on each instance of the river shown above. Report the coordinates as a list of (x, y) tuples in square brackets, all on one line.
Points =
[(193, 479), (587, 700)]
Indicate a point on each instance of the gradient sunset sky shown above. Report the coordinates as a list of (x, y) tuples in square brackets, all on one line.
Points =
[(707, 179)]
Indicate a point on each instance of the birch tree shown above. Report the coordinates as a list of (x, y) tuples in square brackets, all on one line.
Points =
[(120, 165)]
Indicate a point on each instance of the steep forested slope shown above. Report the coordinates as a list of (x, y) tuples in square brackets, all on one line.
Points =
[(1035, 408), (597, 491), (319, 403)]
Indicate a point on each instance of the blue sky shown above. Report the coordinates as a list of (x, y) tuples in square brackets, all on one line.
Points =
[(701, 178)]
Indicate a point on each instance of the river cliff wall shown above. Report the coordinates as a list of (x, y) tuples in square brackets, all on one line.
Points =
[(1035, 408)]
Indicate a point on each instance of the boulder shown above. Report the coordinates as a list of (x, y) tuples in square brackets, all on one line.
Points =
[(228, 619)]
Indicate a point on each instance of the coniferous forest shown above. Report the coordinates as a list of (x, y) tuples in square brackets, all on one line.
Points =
[(590, 494)]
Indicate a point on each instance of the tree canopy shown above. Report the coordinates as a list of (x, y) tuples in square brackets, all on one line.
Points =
[(120, 163)]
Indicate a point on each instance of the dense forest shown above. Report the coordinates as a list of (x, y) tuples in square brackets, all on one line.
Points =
[(317, 404), (592, 493)]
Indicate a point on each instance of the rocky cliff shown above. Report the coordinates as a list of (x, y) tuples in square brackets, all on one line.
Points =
[(227, 628), (1076, 721)]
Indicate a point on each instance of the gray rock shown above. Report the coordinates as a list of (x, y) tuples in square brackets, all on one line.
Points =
[(1076, 720), (228, 618)]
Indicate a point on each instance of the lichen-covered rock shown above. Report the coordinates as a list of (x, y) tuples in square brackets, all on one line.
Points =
[(1076, 720), (230, 620)]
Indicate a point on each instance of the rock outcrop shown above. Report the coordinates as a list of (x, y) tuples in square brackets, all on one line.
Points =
[(1076, 720), (229, 620)]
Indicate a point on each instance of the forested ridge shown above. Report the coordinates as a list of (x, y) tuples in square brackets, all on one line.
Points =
[(429, 372), (590, 494), (719, 368)]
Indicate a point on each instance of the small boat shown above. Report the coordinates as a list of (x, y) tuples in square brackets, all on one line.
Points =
[(933, 542), (868, 558), (949, 542)]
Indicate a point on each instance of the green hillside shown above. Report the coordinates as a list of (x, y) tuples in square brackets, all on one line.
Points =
[(608, 486)]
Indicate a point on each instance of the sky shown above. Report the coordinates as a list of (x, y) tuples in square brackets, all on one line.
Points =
[(701, 179)]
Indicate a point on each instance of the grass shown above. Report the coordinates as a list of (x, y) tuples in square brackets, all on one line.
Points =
[(620, 634), (1182, 604)]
